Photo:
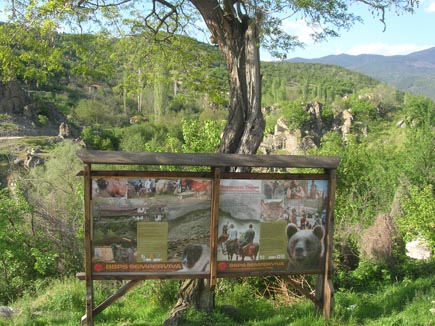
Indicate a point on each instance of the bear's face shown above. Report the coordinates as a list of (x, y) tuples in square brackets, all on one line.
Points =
[(304, 247)]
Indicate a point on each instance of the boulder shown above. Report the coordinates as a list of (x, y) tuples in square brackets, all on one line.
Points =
[(6, 311), (12, 98), (63, 130), (418, 249)]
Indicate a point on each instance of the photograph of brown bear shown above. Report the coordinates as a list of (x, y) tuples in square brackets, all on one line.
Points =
[(304, 247)]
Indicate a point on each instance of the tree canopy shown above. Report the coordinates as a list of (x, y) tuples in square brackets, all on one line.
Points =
[(325, 18), (236, 27)]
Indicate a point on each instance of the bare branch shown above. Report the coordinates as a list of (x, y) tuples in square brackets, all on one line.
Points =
[(172, 14), (97, 4), (378, 7)]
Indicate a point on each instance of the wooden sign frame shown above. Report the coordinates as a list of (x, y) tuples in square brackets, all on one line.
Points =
[(215, 169)]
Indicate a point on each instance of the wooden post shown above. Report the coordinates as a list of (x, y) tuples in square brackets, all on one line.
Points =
[(88, 318), (327, 283), (214, 226), (111, 299)]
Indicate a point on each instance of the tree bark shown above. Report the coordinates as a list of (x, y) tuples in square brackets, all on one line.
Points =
[(238, 38), (192, 293), (245, 125)]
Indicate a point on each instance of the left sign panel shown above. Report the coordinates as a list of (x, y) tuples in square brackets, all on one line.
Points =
[(151, 225)]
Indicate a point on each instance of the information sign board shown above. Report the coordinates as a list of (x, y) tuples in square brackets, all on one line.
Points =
[(149, 224), (161, 224)]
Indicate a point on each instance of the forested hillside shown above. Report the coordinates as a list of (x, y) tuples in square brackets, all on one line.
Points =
[(133, 94), (413, 73)]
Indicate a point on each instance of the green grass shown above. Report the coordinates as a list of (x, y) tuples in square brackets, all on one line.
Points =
[(16, 148), (8, 127), (62, 304)]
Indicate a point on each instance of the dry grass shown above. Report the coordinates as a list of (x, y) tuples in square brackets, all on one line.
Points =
[(379, 241)]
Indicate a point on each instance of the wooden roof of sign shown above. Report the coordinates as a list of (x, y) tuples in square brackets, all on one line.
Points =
[(214, 160)]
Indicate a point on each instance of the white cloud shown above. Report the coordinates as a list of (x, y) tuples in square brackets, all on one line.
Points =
[(300, 29), (386, 49), (430, 6)]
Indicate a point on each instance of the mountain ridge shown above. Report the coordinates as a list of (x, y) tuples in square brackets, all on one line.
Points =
[(414, 72)]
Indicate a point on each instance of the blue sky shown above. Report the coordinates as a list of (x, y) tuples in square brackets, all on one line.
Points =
[(404, 34)]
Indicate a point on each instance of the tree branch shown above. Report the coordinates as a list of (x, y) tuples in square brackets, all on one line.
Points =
[(171, 14), (378, 7)]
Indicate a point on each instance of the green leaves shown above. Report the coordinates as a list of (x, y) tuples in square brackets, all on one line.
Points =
[(201, 137), (15, 241), (30, 54), (418, 216), (45, 262)]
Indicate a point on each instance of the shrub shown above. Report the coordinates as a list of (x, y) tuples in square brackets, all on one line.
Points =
[(380, 241), (99, 138), (418, 218), (42, 119)]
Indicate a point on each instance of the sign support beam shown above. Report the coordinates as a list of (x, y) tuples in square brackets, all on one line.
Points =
[(88, 248)]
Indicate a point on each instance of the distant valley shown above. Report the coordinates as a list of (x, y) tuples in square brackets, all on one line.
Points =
[(414, 72)]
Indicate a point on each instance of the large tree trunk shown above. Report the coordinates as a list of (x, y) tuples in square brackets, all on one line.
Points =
[(245, 125), (192, 293), (238, 39)]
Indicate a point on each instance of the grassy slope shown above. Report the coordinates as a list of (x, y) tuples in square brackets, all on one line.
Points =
[(403, 303)]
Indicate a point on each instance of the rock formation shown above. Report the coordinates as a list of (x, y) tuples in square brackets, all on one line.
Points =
[(12, 98)]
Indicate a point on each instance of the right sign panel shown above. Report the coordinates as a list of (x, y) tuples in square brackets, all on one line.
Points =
[(271, 225)]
